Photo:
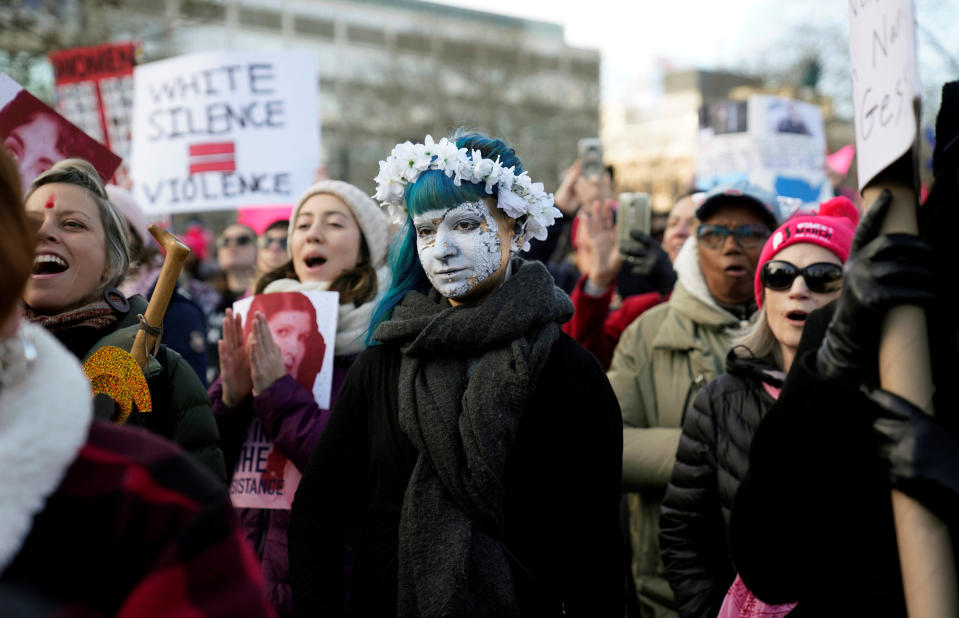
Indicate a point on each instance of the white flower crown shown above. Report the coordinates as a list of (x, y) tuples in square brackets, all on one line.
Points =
[(517, 195)]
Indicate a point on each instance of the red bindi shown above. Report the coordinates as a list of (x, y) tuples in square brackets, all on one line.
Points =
[(49, 203)]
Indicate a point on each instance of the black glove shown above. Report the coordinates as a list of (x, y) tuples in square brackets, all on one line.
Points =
[(651, 261), (921, 457), (881, 273)]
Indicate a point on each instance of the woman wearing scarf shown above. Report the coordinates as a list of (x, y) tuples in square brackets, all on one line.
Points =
[(337, 241), (98, 519), (81, 256), (477, 448)]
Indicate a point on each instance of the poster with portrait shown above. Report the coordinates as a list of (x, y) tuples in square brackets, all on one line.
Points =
[(224, 130), (774, 142), (303, 325), (36, 136)]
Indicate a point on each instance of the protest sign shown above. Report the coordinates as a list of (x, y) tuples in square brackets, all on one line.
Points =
[(303, 325), (222, 130), (94, 90), (773, 142), (885, 82), (36, 136)]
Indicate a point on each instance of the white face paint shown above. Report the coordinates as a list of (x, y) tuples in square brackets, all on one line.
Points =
[(459, 248)]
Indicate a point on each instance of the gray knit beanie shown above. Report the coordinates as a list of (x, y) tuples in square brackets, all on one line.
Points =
[(374, 223)]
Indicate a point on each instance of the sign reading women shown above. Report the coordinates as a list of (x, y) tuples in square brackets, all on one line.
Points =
[(222, 130), (36, 136)]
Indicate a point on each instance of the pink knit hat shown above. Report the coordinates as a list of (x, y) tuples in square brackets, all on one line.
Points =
[(832, 227)]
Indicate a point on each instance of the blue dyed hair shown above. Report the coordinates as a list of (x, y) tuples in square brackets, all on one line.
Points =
[(433, 189)]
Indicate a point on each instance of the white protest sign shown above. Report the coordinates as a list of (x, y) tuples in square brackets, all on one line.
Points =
[(885, 81), (220, 130), (303, 325), (773, 142)]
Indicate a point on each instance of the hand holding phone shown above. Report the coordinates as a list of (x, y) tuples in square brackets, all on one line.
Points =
[(591, 157), (635, 214)]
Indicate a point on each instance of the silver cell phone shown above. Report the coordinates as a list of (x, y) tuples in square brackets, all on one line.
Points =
[(591, 156), (634, 213)]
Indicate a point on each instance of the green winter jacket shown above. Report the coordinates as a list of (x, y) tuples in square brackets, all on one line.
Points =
[(661, 362), (182, 410)]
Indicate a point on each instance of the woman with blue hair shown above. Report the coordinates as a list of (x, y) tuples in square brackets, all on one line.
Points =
[(476, 449)]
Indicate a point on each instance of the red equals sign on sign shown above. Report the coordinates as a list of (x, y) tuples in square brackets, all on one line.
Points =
[(212, 157)]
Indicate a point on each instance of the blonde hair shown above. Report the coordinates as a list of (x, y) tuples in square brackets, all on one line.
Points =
[(82, 174), (758, 341)]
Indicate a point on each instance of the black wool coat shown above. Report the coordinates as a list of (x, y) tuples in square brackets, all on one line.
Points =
[(812, 521), (563, 477), (711, 460)]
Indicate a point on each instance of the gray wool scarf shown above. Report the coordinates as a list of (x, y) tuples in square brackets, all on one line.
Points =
[(465, 374)]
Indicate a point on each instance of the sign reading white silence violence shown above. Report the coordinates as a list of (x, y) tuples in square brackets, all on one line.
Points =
[(221, 130), (882, 43)]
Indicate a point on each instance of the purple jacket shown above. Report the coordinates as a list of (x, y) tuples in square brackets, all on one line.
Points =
[(293, 420)]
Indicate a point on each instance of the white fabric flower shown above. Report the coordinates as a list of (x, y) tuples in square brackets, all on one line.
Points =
[(512, 204), (518, 195)]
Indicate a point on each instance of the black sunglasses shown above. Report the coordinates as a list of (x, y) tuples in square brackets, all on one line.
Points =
[(265, 242), (821, 277), (239, 241), (748, 236)]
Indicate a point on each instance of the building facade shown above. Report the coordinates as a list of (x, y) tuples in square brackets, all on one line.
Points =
[(389, 70)]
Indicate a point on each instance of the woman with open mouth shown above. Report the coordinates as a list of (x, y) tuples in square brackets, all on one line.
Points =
[(799, 270), (81, 257), (337, 241), (469, 416)]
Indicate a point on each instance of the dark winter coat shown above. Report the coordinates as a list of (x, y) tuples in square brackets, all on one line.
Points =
[(184, 330), (134, 530), (293, 421), (711, 460), (181, 408), (812, 521), (561, 504)]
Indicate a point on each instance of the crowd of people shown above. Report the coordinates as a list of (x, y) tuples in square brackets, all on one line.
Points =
[(524, 418)]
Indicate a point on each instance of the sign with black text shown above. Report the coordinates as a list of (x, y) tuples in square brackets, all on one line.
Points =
[(885, 81), (303, 326), (221, 130), (94, 88)]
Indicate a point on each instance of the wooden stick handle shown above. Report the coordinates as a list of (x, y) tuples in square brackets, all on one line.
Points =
[(176, 254), (925, 551)]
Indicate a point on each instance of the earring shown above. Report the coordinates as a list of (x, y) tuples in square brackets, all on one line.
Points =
[(117, 301)]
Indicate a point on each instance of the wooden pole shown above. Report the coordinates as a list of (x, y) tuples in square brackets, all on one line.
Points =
[(176, 254), (925, 551)]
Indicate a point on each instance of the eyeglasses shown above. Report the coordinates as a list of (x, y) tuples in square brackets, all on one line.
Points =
[(748, 236), (233, 241), (265, 242), (821, 277)]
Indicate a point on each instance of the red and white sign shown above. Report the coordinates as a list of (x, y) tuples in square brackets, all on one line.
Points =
[(36, 136), (303, 325), (94, 90)]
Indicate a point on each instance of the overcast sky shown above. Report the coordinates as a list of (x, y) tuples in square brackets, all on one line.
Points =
[(634, 36)]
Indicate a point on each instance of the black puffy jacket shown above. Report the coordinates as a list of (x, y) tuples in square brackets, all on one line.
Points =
[(712, 459)]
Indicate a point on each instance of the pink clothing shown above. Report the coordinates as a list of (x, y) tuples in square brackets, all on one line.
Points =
[(741, 603)]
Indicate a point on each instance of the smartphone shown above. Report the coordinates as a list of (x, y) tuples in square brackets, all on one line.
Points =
[(634, 213), (591, 156)]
